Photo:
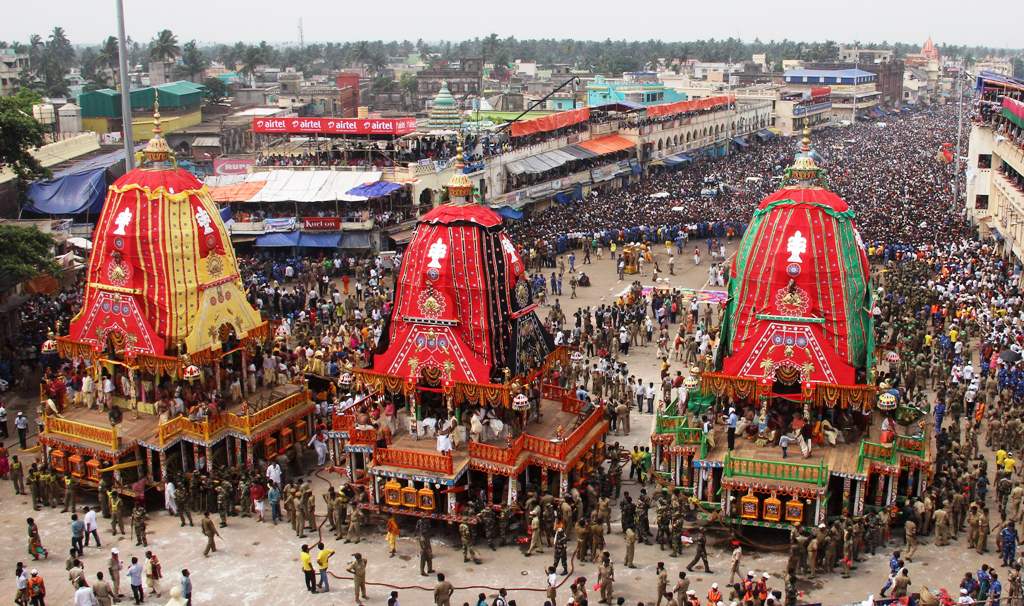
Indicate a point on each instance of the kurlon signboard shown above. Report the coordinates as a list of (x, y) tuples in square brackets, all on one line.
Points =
[(321, 223), (334, 126)]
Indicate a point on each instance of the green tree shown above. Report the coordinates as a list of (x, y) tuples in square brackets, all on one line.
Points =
[(164, 47), (36, 47), (93, 69), (19, 134), (1018, 67), (109, 57), (59, 48), (216, 90), (408, 84), (26, 253), (193, 61), (251, 59)]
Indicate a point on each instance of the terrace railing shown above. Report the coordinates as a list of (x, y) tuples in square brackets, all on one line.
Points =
[(776, 470)]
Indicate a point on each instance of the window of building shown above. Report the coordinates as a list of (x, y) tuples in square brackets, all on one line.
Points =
[(984, 160), (981, 201)]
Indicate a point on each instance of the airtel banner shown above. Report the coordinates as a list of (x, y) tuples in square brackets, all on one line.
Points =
[(335, 126), (232, 166)]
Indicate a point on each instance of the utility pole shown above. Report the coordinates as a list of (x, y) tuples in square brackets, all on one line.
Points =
[(126, 102)]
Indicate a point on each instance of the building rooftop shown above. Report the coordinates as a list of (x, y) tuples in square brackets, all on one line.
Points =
[(828, 73)]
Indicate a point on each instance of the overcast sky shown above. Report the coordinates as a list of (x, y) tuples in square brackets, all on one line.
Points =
[(90, 21)]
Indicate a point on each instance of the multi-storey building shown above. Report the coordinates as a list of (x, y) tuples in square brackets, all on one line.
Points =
[(995, 163), (11, 65), (854, 91), (641, 88)]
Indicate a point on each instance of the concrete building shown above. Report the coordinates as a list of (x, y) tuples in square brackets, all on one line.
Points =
[(854, 91), (915, 87), (464, 78), (889, 75), (997, 65), (854, 54), (795, 111), (11, 65), (642, 88), (995, 165)]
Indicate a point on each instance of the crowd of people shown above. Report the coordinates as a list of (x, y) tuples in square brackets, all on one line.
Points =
[(946, 301), (888, 175)]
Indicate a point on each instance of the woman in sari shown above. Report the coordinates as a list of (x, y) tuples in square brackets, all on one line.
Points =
[(5, 463), (35, 544)]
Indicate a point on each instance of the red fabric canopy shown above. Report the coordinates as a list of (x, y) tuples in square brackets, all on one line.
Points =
[(811, 195), (798, 288), (607, 145), (668, 109), (447, 214), (552, 122), (162, 270)]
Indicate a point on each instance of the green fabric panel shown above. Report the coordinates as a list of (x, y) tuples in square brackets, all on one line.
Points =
[(847, 214), (742, 257), (870, 348), (856, 293)]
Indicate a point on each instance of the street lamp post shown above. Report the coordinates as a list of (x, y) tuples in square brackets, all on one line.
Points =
[(126, 103)]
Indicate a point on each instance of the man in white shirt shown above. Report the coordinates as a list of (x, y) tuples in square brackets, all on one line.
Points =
[(89, 519), (274, 473), (88, 391), (84, 595), (108, 392)]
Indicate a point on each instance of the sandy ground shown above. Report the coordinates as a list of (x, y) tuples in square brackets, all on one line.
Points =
[(258, 563)]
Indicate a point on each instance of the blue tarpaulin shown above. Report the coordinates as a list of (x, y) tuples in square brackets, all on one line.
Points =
[(101, 161), (278, 239), (319, 240), (764, 134), (225, 214), (69, 195), (677, 159), (561, 197), (374, 190), (353, 240), (510, 213), (741, 141)]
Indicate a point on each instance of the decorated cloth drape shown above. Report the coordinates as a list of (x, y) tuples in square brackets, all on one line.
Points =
[(799, 297), (549, 123), (162, 270), (1013, 111), (463, 305), (679, 107)]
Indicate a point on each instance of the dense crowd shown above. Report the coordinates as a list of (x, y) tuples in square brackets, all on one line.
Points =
[(887, 173), (947, 303)]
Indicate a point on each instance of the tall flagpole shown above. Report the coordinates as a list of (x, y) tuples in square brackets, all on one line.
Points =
[(126, 103)]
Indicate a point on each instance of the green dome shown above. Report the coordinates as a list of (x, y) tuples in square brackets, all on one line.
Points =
[(444, 111)]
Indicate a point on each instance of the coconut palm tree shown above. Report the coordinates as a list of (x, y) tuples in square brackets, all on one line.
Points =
[(109, 56), (164, 47), (193, 60), (59, 48), (251, 59)]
